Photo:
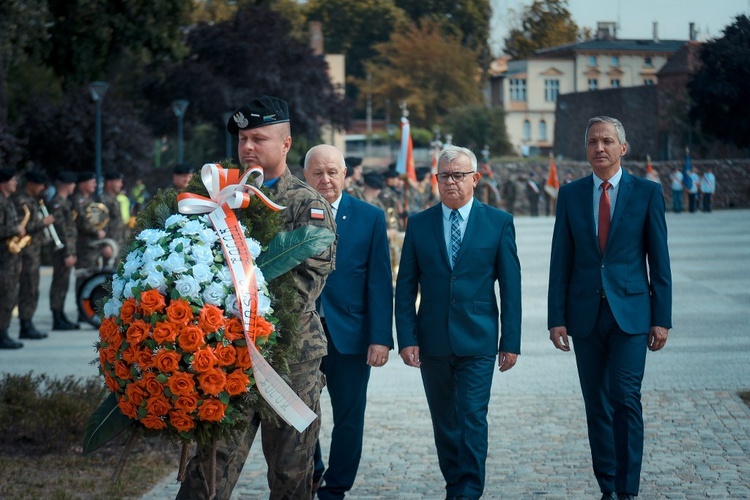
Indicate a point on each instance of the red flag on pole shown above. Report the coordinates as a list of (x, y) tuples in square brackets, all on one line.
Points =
[(405, 161), (552, 185)]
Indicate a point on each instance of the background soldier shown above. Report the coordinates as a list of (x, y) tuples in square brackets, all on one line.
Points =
[(90, 229), (64, 260), (353, 181), (31, 255), (10, 272), (181, 175), (116, 228)]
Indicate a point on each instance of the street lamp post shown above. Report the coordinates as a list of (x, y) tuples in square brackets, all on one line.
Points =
[(179, 106), (226, 116), (97, 90)]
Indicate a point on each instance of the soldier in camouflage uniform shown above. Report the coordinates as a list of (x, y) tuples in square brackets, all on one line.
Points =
[(263, 129), (87, 255), (353, 180), (64, 260), (115, 229), (10, 270), (31, 255)]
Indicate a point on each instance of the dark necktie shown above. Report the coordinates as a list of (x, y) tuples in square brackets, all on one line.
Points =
[(455, 236), (604, 208)]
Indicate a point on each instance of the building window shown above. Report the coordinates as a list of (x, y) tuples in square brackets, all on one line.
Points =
[(593, 84), (551, 89), (648, 81), (526, 130), (648, 61), (615, 60), (517, 89), (592, 60), (542, 130), (615, 83)]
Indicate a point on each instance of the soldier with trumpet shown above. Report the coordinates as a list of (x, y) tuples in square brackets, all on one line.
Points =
[(64, 260), (27, 201), (11, 231)]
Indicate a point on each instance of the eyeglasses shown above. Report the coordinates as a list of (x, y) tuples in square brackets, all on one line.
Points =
[(443, 177)]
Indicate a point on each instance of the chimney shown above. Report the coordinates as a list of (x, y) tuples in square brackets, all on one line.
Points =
[(693, 34), (316, 37), (656, 32)]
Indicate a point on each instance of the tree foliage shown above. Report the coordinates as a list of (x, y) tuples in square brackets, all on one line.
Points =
[(719, 89), (476, 125), (431, 72), (544, 23)]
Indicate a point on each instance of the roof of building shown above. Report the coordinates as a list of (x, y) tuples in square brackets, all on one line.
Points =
[(684, 62), (612, 45)]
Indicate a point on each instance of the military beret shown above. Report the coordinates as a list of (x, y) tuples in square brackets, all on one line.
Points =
[(37, 177), (112, 175), (67, 177), (86, 175), (374, 180), (7, 174), (391, 173), (265, 110), (422, 172), (183, 168), (353, 161)]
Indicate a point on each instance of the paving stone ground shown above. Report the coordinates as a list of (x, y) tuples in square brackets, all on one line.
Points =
[(697, 428)]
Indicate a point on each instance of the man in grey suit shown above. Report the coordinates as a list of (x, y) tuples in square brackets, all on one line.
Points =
[(453, 254)]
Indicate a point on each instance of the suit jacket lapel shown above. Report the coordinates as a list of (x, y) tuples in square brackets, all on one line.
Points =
[(623, 194), (471, 227), (587, 200), (437, 228), (343, 214)]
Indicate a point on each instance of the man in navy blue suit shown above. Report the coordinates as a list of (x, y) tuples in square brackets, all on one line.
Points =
[(453, 254), (610, 289), (356, 308)]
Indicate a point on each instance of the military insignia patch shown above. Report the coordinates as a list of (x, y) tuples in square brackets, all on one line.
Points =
[(317, 213), (240, 119)]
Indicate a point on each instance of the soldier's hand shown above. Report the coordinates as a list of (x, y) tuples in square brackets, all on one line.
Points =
[(48, 220), (70, 261), (101, 234), (21, 231), (107, 252)]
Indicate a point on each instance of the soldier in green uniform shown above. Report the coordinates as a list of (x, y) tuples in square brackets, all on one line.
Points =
[(31, 255), (90, 227), (373, 185), (353, 179), (115, 229), (64, 260), (263, 130), (11, 232)]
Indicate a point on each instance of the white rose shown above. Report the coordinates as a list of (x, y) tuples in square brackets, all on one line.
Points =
[(118, 284), (185, 242), (231, 306), (175, 263), (225, 276), (202, 273), (132, 264), (202, 254), (214, 294), (151, 236), (152, 253), (192, 227), (127, 292), (264, 305), (188, 287), (175, 219), (157, 281), (254, 247), (209, 236), (112, 307), (259, 278)]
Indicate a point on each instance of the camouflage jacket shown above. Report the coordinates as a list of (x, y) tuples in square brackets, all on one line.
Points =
[(35, 227), (305, 206), (65, 224), (8, 219), (116, 226)]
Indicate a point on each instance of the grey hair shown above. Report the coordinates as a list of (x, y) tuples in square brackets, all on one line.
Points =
[(606, 119), (451, 152)]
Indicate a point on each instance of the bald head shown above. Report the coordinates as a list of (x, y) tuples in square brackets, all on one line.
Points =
[(325, 171)]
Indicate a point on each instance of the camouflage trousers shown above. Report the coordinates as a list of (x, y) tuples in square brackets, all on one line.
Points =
[(58, 290), (288, 453), (28, 294), (10, 273)]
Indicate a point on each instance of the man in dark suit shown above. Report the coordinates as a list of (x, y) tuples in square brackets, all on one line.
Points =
[(356, 308), (610, 289), (453, 254)]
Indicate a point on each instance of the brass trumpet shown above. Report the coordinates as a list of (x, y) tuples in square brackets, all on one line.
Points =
[(50, 233), (18, 243)]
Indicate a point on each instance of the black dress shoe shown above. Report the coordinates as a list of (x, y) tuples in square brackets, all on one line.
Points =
[(609, 495)]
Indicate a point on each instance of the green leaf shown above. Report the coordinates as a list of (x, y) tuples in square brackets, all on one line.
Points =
[(288, 249), (224, 397), (105, 424)]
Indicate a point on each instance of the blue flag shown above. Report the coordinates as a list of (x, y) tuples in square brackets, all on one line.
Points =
[(687, 180)]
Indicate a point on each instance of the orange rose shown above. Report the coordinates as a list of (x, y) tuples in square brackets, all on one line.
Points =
[(167, 361), (128, 310), (262, 327), (243, 358), (233, 330), (212, 382), (158, 405), (226, 355), (111, 383), (164, 331), (181, 421), (152, 302), (136, 394), (179, 312), (212, 410), (127, 408), (144, 358), (191, 338), (204, 360), (108, 329), (102, 357), (122, 370), (211, 318), (237, 383), (187, 403), (150, 384), (137, 332), (153, 422), (181, 383), (130, 353), (111, 354)]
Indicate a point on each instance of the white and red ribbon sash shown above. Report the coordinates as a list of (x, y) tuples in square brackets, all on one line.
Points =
[(227, 193)]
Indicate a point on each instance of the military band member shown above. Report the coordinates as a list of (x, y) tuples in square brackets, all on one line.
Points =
[(181, 175), (11, 230), (116, 228), (64, 260), (31, 255)]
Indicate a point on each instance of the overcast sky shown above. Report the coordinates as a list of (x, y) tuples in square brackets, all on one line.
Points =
[(635, 17)]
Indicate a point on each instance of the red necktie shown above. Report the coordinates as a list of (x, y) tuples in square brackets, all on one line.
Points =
[(604, 206)]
